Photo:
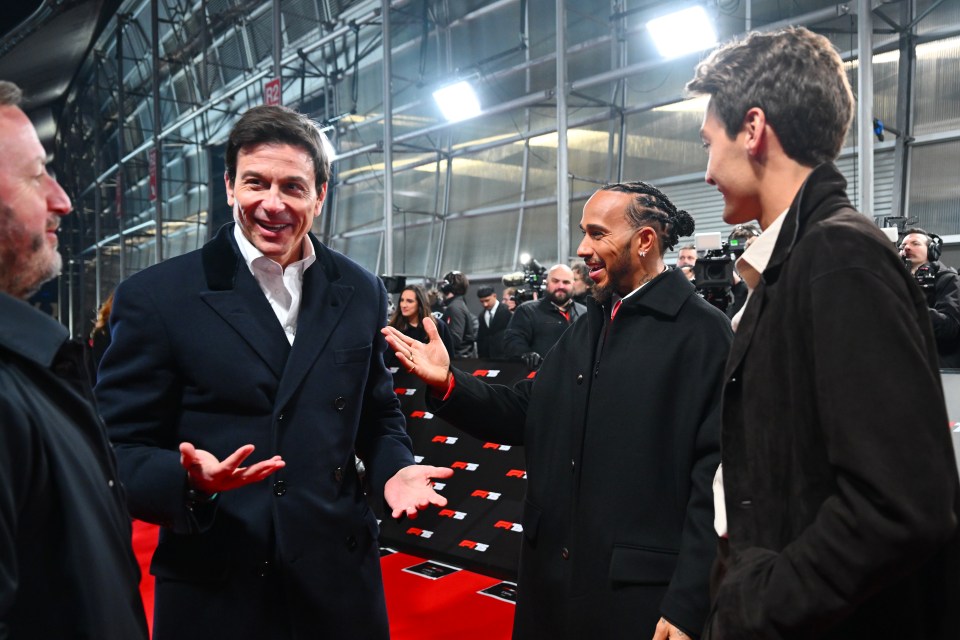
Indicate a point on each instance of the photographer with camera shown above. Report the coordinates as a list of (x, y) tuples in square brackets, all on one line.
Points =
[(461, 322), (921, 255), (536, 325)]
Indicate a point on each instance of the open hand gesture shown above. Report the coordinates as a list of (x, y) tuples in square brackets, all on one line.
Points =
[(209, 475)]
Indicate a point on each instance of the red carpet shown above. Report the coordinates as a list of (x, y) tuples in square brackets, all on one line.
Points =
[(419, 608)]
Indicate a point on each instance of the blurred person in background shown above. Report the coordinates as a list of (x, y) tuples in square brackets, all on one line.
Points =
[(412, 307)]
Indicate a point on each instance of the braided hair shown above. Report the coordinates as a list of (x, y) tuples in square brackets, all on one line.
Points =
[(652, 208)]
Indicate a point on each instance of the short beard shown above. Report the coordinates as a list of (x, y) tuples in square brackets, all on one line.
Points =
[(602, 294), (553, 298), (21, 276)]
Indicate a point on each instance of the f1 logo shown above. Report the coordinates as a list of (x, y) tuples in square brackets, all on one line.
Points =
[(468, 466), (486, 495), (450, 513), (486, 373), (420, 533), (405, 392), (498, 447), (445, 439), (476, 546), (511, 526), (517, 473), (424, 415)]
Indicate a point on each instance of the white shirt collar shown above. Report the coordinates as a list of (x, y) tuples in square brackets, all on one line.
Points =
[(250, 252), (754, 261)]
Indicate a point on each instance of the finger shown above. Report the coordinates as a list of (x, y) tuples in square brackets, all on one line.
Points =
[(236, 458), (439, 472), (188, 455), (396, 344), (438, 500), (430, 325), (262, 469)]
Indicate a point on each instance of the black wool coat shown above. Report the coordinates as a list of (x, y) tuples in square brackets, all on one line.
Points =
[(621, 449), (67, 569), (198, 355), (841, 486)]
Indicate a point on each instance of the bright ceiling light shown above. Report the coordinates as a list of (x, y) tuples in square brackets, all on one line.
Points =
[(682, 32), (457, 101)]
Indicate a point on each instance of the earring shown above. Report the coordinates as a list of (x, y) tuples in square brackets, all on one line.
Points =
[(643, 254)]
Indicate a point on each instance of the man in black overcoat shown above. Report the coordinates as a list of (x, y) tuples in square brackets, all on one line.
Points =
[(492, 324), (67, 569), (621, 448), (261, 349), (839, 495)]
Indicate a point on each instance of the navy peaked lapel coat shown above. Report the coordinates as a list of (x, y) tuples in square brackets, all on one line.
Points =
[(198, 355)]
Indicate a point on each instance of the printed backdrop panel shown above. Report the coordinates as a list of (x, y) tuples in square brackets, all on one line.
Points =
[(480, 527)]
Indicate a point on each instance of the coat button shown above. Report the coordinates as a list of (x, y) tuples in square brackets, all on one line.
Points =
[(280, 418), (573, 464), (338, 474), (279, 488), (580, 378), (340, 403), (351, 543), (565, 553)]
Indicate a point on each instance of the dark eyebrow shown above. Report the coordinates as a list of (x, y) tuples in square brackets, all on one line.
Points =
[(249, 173)]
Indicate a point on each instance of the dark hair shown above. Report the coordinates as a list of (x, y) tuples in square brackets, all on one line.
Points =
[(485, 291), (582, 270), (795, 76), (457, 283), (651, 208), (920, 232), (397, 321), (10, 94), (745, 231), (268, 124)]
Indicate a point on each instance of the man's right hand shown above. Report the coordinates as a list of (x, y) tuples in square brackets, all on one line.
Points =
[(430, 362), (209, 475)]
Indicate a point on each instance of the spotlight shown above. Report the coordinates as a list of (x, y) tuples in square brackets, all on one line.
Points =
[(682, 32), (457, 101)]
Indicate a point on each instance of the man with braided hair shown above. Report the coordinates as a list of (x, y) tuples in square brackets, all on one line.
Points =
[(617, 523)]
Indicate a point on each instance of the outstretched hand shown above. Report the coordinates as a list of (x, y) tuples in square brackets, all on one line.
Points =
[(430, 362), (411, 489), (209, 475)]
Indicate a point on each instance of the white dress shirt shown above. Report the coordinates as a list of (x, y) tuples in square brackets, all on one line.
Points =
[(282, 287)]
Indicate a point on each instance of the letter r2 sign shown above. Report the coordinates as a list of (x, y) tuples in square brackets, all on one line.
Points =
[(272, 93)]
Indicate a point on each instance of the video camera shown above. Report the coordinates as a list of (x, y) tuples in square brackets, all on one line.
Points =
[(713, 272), (530, 283)]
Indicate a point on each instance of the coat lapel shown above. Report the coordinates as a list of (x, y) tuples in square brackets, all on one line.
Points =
[(322, 306), (233, 293)]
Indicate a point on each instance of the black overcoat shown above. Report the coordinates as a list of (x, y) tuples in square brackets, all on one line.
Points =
[(621, 449), (490, 339), (67, 569), (198, 355), (841, 487)]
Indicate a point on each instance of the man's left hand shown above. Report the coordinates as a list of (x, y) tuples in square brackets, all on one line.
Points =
[(666, 631), (411, 490)]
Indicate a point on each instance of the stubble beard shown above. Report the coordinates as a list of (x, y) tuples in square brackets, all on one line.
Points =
[(22, 274)]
